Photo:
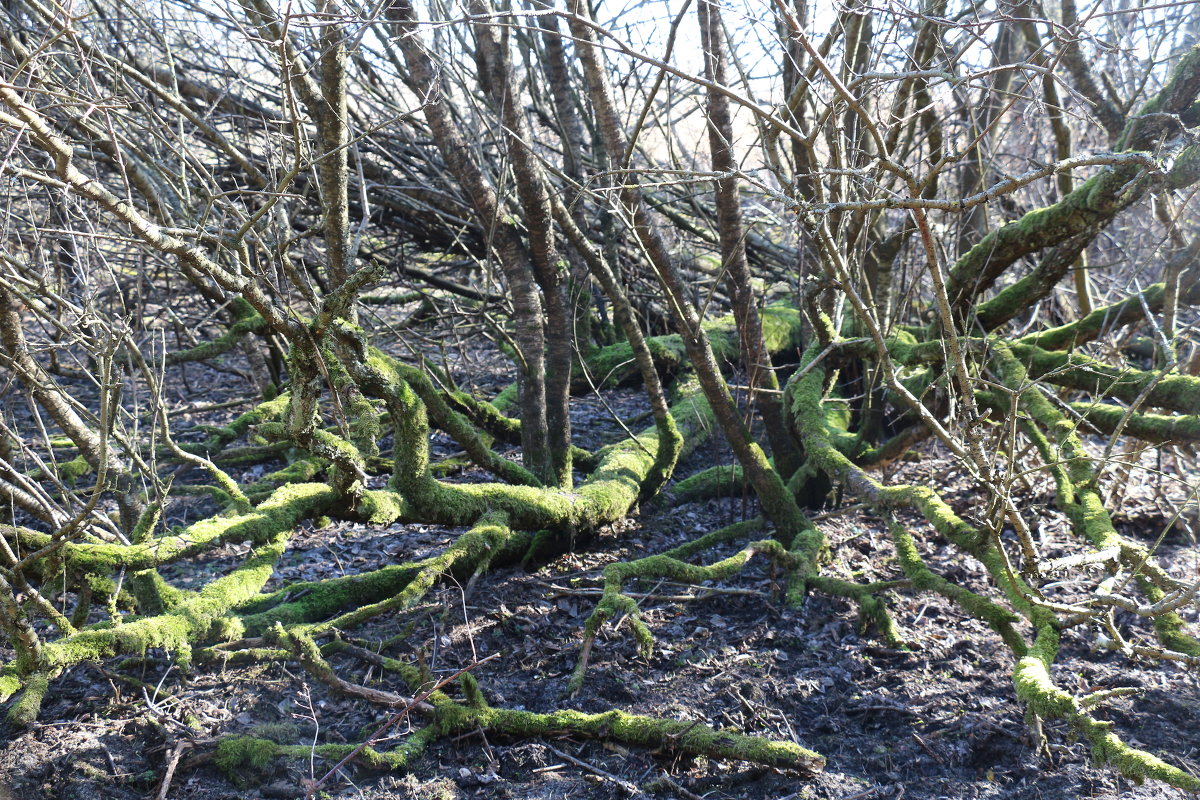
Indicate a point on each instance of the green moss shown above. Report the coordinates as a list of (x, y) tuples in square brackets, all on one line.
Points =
[(71, 471), (281, 511), (614, 603), (1177, 392), (1090, 207), (306, 601), (246, 321), (816, 427), (1107, 748), (616, 726), (725, 480), (998, 618), (174, 630), (10, 682), (1035, 687), (622, 472), (24, 710), (237, 753), (148, 521), (670, 735), (614, 365), (1186, 169), (871, 609), (1107, 318), (1078, 495), (302, 470), (507, 402), (1154, 428), (381, 507), (154, 595), (454, 423)]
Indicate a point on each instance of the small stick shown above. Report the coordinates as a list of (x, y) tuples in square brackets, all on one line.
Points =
[(624, 784), (180, 746), (678, 789), (311, 787)]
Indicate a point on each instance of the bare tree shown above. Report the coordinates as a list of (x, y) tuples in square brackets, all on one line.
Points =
[(959, 227)]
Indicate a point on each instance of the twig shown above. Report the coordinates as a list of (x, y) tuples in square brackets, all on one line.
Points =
[(172, 763), (312, 787), (628, 787)]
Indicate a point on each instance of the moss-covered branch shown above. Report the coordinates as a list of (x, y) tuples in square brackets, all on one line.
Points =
[(245, 322), (283, 510), (1035, 687), (1078, 494), (174, 631)]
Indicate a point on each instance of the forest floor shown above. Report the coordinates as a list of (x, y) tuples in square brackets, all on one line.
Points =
[(936, 720)]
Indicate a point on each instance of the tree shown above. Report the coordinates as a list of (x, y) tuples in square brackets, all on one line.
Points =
[(956, 216)]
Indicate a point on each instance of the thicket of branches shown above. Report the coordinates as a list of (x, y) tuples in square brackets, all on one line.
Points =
[(967, 222)]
